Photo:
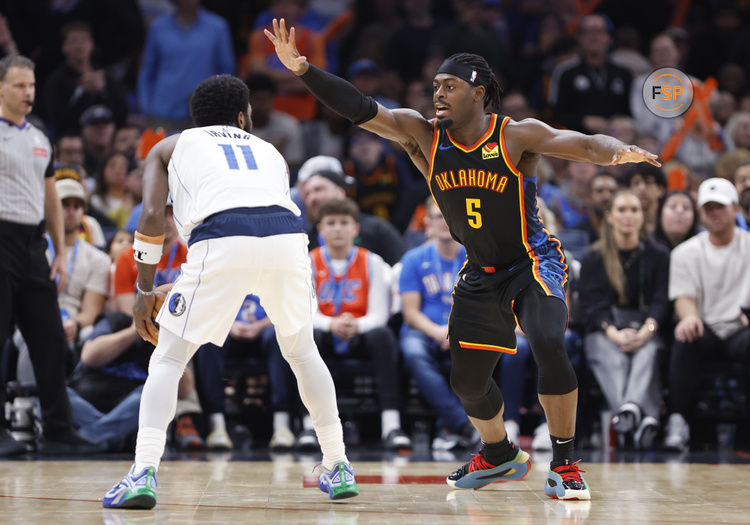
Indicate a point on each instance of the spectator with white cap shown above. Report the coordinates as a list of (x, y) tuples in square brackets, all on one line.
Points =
[(710, 285), (308, 168), (90, 229), (318, 184), (88, 275)]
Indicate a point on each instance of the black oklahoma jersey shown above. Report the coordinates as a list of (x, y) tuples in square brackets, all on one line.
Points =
[(491, 208)]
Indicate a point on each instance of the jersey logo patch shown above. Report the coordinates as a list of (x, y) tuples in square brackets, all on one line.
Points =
[(177, 305), (40, 152), (490, 151)]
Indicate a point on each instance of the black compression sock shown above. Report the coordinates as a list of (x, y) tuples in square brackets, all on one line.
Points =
[(562, 450), (500, 452)]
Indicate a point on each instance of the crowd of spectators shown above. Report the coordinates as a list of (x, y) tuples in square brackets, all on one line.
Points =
[(114, 77)]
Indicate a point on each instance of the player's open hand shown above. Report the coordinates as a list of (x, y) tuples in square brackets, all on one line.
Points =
[(634, 154), (286, 48)]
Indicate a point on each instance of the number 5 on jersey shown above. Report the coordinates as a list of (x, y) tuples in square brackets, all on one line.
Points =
[(247, 153), (472, 210)]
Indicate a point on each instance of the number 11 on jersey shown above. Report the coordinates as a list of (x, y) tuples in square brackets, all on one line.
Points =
[(247, 153), (472, 210)]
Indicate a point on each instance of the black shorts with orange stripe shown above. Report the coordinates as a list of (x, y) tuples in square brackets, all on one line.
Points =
[(483, 316)]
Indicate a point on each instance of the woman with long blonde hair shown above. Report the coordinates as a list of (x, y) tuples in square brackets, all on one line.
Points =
[(623, 300)]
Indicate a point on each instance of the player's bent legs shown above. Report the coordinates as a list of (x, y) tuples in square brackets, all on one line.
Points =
[(544, 319), (498, 460), (316, 390), (472, 381), (159, 397)]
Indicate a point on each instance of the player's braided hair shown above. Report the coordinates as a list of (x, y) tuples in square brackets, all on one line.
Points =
[(218, 100), (492, 91)]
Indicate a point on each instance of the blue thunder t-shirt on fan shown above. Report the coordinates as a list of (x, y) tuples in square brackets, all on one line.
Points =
[(425, 271), (251, 310)]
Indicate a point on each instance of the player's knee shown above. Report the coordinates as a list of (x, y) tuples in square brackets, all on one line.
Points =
[(172, 351), (466, 387), (480, 399), (165, 360), (556, 374), (297, 346), (549, 350)]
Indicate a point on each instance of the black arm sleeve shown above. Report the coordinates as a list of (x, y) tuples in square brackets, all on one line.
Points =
[(340, 95), (50, 171)]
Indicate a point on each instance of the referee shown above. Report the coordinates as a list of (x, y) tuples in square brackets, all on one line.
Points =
[(28, 293)]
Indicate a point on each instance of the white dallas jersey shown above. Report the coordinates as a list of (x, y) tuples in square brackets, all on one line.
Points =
[(217, 168)]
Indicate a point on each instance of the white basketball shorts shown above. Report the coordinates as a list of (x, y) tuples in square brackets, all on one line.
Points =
[(220, 272)]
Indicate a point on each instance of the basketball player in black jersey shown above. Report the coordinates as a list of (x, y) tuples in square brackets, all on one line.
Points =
[(481, 171)]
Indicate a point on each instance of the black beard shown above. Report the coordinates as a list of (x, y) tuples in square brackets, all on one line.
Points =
[(444, 123)]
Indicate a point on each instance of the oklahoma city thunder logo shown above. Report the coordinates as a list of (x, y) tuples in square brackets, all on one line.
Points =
[(177, 305)]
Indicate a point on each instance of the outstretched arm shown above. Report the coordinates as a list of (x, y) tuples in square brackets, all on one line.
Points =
[(404, 126), (535, 136)]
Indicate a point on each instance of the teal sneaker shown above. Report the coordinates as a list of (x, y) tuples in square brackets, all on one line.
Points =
[(135, 491), (339, 482), (566, 482), (478, 472)]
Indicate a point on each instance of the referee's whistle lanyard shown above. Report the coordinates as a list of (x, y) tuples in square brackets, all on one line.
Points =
[(338, 282), (71, 263), (165, 276)]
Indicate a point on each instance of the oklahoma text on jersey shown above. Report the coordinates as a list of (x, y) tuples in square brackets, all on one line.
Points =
[(490, 180)]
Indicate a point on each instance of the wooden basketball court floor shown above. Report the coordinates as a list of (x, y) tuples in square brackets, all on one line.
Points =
[(219, 489)]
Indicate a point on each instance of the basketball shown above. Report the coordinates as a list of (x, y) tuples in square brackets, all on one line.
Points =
[(160, 295)]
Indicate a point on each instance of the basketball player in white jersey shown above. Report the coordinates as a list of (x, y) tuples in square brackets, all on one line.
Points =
[(230, 191)]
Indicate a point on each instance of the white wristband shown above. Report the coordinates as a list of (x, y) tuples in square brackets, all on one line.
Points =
[(146, 252)]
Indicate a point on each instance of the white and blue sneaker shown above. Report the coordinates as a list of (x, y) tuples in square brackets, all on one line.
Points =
[(338, 482), (565, 482), (134, 491)]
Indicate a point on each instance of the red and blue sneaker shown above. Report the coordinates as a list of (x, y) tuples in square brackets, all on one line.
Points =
[(566, 482), (478, 472), (135, 491), (338, 482)]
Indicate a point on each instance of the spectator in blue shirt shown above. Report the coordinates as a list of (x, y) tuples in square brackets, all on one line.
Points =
[(428, 275), (182, 49)]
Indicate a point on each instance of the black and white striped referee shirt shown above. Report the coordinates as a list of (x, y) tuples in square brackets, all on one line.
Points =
[(25, 161)]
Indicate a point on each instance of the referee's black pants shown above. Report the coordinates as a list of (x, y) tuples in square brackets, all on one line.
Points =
[(29, 298)]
